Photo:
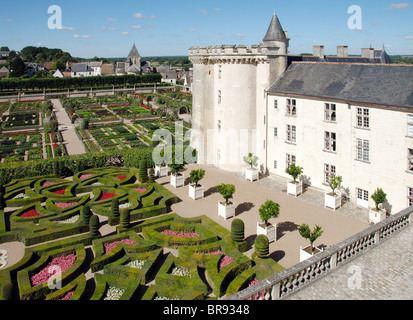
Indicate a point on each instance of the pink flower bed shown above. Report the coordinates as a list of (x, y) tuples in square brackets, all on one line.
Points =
[(226, 260), (257, 296), (106, 195), (85, 176), (63, 262), (30, 213), (48, 183), (140, 190), (110, 246), (64, 204), (68, 295), (180, 234)]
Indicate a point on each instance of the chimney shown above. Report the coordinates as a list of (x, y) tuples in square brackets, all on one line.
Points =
[(318, 51), (342, 51), (367, 53)]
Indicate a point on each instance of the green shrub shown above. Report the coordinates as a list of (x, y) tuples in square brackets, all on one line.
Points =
[(125, 219), (143, 171), (262, 246), (237, 230), (115, 208), (86, 214), (94, 226)]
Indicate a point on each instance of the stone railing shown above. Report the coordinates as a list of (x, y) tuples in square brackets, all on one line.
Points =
[(289, 281)]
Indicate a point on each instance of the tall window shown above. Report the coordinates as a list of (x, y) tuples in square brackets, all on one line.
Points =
[(219, 96), (275, 104), (329, 171), (219, 125), (290, 159), (410, 125), (410, 197), (219, 72), (363, 118), (363, 150), (291, 134), (291, 107), (330, 143), (330, 113), (410, 160)]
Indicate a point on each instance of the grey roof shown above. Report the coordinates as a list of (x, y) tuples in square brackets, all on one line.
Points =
[(81, 67), (133, 53), (382, 84), (275, 31)]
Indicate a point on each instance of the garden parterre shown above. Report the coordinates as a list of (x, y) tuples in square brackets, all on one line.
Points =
[(135, 263)]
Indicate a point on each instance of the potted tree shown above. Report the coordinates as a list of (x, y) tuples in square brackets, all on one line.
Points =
[(177, 178), (333, 199), (378, 213), (226, 209), (196, 191), (251, 173), (305, 232), (268, 210), (161, 170), (294, 187)]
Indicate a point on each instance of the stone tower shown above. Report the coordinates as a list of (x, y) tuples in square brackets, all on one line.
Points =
[(229, 98), (133, 61)]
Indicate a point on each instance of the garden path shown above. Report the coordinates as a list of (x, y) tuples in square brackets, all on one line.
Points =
[(73, 144)]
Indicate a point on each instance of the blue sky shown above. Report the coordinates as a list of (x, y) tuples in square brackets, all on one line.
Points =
[(108, 28)]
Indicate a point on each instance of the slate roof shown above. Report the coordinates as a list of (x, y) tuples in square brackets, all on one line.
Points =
[(275, 31), (81, 67), (381, 84)]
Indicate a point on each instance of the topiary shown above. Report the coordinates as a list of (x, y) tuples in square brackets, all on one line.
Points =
[(8, 291), (151, 175), (115, 208), (262, 246), (237, 230), (143, 171), (86, 214), (94, 226), (125, 219)]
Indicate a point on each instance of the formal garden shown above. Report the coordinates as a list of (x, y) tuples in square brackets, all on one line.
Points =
[(95, 231)]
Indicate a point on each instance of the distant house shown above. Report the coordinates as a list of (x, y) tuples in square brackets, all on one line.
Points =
[(82, 70), (49, 65), (170, 77), (4, 72), (58, 74), (97, 67), (4, 54), (32, 68), (108, 70), (163, 70)]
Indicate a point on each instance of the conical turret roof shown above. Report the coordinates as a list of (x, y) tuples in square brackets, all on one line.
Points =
[(275, 31), (134, 53)]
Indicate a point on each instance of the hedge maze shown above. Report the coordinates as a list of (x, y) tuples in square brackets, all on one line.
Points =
[(103, 235)]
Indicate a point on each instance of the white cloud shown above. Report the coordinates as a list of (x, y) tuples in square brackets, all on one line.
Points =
[(68, 28), (409, 37), (217, 10), (109, 28), (125, 33), (136, 27), (111, 19), (398, 6), (192, 30), (203, 11), (139, 16), (83, 36)]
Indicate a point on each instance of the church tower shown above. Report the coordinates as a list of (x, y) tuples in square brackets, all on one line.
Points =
[(133, 59), (229, 112)]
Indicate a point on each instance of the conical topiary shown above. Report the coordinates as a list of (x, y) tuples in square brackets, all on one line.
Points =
[(237, 230), (125, 219), (143, 171), (151, 175), (115, 208), (262, 246), (86, 214), (94, 226)]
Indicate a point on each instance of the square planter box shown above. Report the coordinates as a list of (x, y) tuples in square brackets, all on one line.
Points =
[(294, 189), (177, 181), (252, 174), (226, 211), (196, 192), (332, 201), (161, 171), (305, 253), (270, 231), (377, 216)]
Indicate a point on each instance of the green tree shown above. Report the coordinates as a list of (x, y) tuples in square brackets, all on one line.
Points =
[(251, 160), (379, 197), (306, 233), (196, 176), (269, 210), (227, 191), (17, 68), (294, 171)]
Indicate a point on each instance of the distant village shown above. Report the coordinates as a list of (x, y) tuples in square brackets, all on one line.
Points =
[(132, 65)]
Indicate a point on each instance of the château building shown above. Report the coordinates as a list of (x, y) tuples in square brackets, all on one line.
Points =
[(332, 115)]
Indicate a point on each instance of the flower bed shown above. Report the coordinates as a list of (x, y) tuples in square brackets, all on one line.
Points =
[(68, 295), (30, 213), (106, 195), (64, 205), (110, 246), (86, 176), (121, 177), (180, 234), (61, 191), (62, 262), (140, 190), (114, 293)]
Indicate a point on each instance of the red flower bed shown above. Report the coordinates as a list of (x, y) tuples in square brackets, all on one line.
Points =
[(62, 191), (106, 195), (121, 177), (54, 146), (30, 213)]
